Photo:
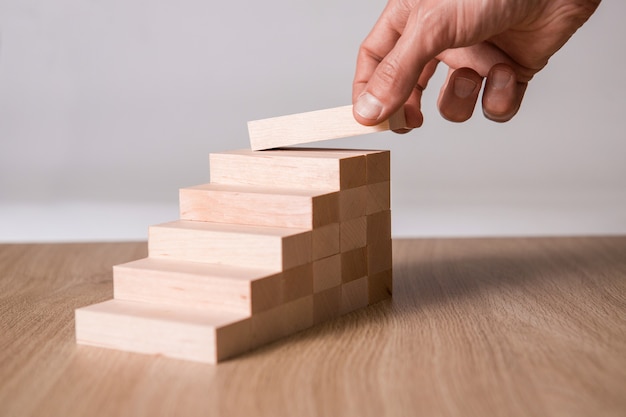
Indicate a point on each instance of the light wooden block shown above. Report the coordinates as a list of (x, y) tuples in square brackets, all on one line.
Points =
[(272, 248), (289, 168), (260, 206), (326, 241), (354, 295), (352, 203), (379, 256), (326, 304), (378, 197), (353, 264), (174, 332), (326, 273), (313, 126), (199, 285), (353, 233), (379, 226), (282, 321), (380, 286)]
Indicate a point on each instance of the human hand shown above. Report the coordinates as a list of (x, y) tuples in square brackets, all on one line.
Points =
[(505, 41)]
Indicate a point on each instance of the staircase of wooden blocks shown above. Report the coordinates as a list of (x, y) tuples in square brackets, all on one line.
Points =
[(278, 241)]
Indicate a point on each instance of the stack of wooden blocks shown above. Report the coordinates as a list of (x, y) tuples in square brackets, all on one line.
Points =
[(278, 241)]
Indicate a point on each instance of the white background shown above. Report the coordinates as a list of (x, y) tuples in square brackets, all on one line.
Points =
[(108, 107)]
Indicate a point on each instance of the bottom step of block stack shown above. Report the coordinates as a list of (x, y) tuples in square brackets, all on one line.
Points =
[(190, 334)]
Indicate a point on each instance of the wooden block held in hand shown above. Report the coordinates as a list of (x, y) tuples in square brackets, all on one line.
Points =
[(314, 126)]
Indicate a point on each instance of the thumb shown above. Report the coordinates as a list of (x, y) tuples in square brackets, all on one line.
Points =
[(382, 92)]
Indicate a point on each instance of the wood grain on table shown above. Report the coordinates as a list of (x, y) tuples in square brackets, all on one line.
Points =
[(485, 327)]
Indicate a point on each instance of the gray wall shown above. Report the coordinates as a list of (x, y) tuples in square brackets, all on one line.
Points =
[(108, 107)]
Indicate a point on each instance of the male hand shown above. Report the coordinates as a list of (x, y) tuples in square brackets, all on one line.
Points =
[(505, 41)]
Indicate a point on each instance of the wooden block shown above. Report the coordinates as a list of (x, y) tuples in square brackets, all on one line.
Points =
[(297, 283), (353, 233), (174, 332), (379, 226), (326, 273), (354, 295), (312, 127), (378, 197), (352, 203), (200, 285), (380, 286), (325, 241), (353, 264), (282, 321), (260, 206), (379, 256), (378, 167), (274, 248), (326, 304), (289, 168)]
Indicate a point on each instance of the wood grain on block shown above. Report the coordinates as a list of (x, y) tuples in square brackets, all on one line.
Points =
[(379, 197), (282, 321), (353, 264), (313, 126), (326, 241), (379, 256), (326, 304), (354, 295), (260, 206), (297, 282), (352, 203), (326, 273), (378, 167), (380, 286), (274, 248), (379, 226), (293, 169), (198, 285), (174, 332), (353, 234)]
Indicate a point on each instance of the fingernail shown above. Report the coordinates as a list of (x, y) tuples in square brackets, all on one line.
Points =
[(463, 87), (368, 106), (500, 79)]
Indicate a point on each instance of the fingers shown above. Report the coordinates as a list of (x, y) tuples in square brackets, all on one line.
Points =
[(503, 95), (459, 94), (413, 105), (389, 65)]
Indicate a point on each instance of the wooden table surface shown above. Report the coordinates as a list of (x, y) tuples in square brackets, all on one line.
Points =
[(477, 327)]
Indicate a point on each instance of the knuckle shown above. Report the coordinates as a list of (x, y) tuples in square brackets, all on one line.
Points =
[(388, 71)]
